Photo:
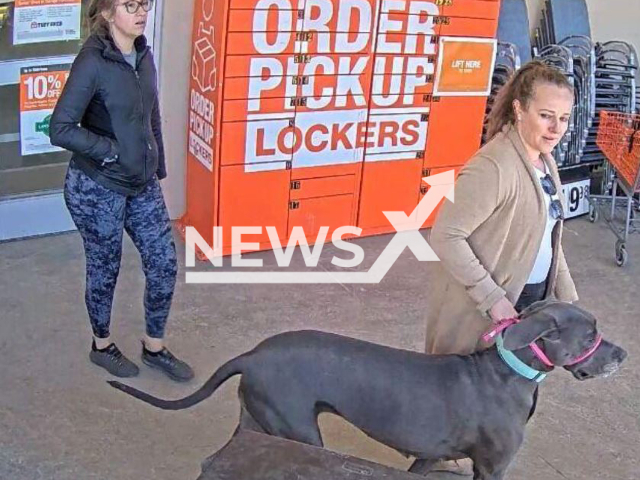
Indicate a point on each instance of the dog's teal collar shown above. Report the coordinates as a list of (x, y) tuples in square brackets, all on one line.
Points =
[(518, 365)]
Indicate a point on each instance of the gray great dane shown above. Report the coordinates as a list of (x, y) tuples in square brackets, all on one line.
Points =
[(428, 406)]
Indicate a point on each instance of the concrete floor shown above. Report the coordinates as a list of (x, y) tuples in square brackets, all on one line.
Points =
[(60, 420)]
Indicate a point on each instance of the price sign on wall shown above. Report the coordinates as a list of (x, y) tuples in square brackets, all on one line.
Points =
[(40, 88)]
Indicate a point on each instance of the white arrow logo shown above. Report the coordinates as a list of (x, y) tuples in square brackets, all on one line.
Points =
[(407, 236)]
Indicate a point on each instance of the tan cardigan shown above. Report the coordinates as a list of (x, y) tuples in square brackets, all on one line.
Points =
[(487, 242)]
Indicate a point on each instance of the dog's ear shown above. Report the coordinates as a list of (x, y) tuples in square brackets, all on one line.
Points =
[(533, 327), (537, 306), (566, 313)]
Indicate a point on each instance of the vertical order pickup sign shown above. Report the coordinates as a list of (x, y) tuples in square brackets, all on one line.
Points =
[(203, 85)]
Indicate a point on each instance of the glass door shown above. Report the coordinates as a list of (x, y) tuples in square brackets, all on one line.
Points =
[(38, 42)]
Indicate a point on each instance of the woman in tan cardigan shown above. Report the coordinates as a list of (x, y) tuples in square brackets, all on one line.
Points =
[(499, 244)]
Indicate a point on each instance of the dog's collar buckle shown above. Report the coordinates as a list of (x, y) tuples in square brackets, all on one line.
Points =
[(539, 377), (518, 365)]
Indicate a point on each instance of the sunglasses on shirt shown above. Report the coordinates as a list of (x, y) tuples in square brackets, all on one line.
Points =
[(555, 210), (555, 207), (547, 185)]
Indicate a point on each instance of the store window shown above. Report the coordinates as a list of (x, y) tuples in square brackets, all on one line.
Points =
[(35, 35), (38, 42)]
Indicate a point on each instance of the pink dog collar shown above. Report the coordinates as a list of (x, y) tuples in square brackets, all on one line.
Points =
[(502, 325)]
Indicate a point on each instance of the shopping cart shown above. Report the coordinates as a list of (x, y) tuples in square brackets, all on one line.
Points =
[(619, 139)]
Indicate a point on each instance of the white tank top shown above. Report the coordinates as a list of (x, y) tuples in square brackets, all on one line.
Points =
[(542, 265)]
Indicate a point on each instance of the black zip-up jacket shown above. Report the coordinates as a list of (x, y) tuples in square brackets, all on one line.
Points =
[(108, 115)]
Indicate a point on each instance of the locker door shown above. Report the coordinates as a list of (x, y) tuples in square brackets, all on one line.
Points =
[(402, 81), (336, 16), (459, 100), (260, 59), (262, 4), (322, 201), (395, 134), (487, 9), (468, 27), (402, 84), (258, 109), (262, 31), (329, 138), (408, 32), (326, 167), (455, 130), (247, 99), (424, 189), (256, 141), (335, 51), (388, 186), (258, 115), (313, 213), (405, 56), (322, 187), (254, 196), (393, 161)]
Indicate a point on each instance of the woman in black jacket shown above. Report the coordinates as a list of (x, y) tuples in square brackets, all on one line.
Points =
[(108, 116)]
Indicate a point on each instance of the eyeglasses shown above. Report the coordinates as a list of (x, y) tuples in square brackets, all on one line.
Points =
[(133, 6), (547, 185), (555, 210)]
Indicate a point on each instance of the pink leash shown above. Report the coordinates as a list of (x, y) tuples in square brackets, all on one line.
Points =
[(502, 325), (499, 327)]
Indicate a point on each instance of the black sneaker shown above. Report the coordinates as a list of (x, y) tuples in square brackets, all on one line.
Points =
[(113, 361), (165, 361)]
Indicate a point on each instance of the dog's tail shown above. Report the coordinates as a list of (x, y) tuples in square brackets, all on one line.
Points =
[(229, 369)]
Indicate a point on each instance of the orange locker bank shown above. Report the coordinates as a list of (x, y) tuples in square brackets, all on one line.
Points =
[(311, 113)]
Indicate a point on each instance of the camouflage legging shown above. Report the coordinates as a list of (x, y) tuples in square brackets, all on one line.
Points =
[(100, 215)]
